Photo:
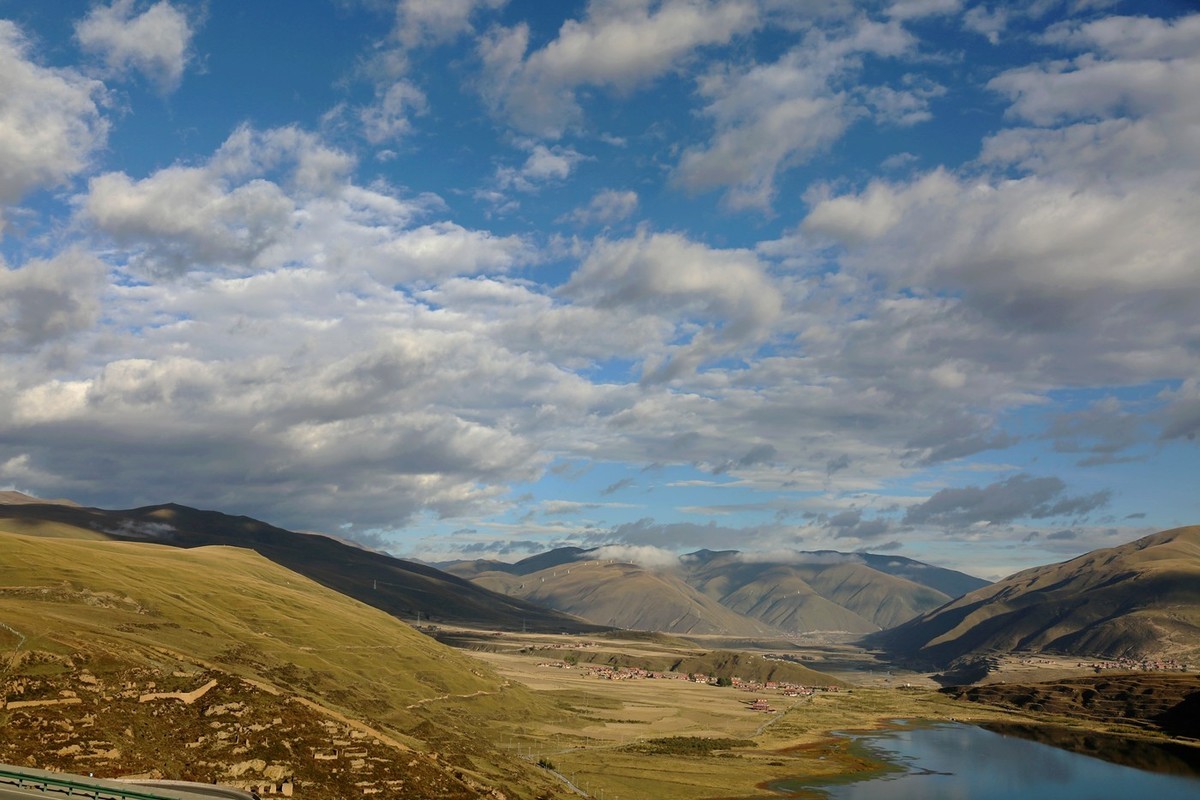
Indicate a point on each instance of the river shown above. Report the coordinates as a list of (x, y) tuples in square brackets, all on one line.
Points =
[(965, 762)]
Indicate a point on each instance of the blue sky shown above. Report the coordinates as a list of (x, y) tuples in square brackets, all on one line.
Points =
[(481, 277)]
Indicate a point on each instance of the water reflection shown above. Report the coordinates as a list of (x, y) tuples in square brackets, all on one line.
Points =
[(1166, 757), (963, 761)]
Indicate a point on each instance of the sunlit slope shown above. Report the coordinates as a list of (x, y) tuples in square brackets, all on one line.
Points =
[(80, 613), (626, 596), (402, 588), (1139, 599)]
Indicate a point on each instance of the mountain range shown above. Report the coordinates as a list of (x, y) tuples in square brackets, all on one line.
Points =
[(727, 592), (1137, 600)]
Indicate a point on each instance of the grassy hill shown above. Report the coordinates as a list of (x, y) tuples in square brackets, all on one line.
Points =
[(401, 588), (726, 592), (1137, 600), (213, 663)]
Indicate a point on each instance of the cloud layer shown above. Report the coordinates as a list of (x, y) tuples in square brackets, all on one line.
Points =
[(660, 275)]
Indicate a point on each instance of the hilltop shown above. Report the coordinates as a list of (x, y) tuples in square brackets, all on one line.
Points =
[(728, 592), (1136, 601)]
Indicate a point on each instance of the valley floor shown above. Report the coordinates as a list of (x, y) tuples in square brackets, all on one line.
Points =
[(632, 736)]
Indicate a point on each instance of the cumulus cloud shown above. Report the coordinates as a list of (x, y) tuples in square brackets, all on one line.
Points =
[(278, 197), (154, 43), (666, 273), (616, 46), (1020, 497), (50, 122), (48, 300), (1091, 243)]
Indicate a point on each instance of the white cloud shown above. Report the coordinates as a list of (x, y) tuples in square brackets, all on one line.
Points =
[(271, 199), (154, 42), (49, 120), (424, 22), (773, 116), (618, 45), (186, 218), (1093, 242), (1039, 256), (542, 166), (647, 556), (388, 118), (987, 22), (606, 207)]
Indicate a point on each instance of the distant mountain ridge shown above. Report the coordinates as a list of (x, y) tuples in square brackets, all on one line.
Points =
[(401, 588), (1137, 600), (728, 592)]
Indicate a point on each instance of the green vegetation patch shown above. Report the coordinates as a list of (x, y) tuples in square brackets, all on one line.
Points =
[(687, 746)]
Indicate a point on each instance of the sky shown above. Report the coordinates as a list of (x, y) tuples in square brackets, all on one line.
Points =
[(476, 278)]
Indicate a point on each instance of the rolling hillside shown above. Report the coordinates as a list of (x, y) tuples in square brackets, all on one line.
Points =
[(727, 592), (1141, 599), (401, 588), (213, 663)]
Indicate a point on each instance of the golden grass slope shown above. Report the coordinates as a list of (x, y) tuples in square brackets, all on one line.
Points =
[(124, 608), (1141, 599)]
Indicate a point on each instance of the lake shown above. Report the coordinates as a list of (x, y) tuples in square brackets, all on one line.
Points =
[(969, 763)]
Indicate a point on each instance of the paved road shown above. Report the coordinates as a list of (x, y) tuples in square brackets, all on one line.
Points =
[(61, 784)]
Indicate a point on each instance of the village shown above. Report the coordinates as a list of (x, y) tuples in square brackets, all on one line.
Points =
[(1135, 665), (610, 673)]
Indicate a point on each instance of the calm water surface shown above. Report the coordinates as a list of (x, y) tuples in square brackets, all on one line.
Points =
[(963, 761)]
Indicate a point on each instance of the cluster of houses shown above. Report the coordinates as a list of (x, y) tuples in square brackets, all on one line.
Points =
[(1136, 665), (609, 673)]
